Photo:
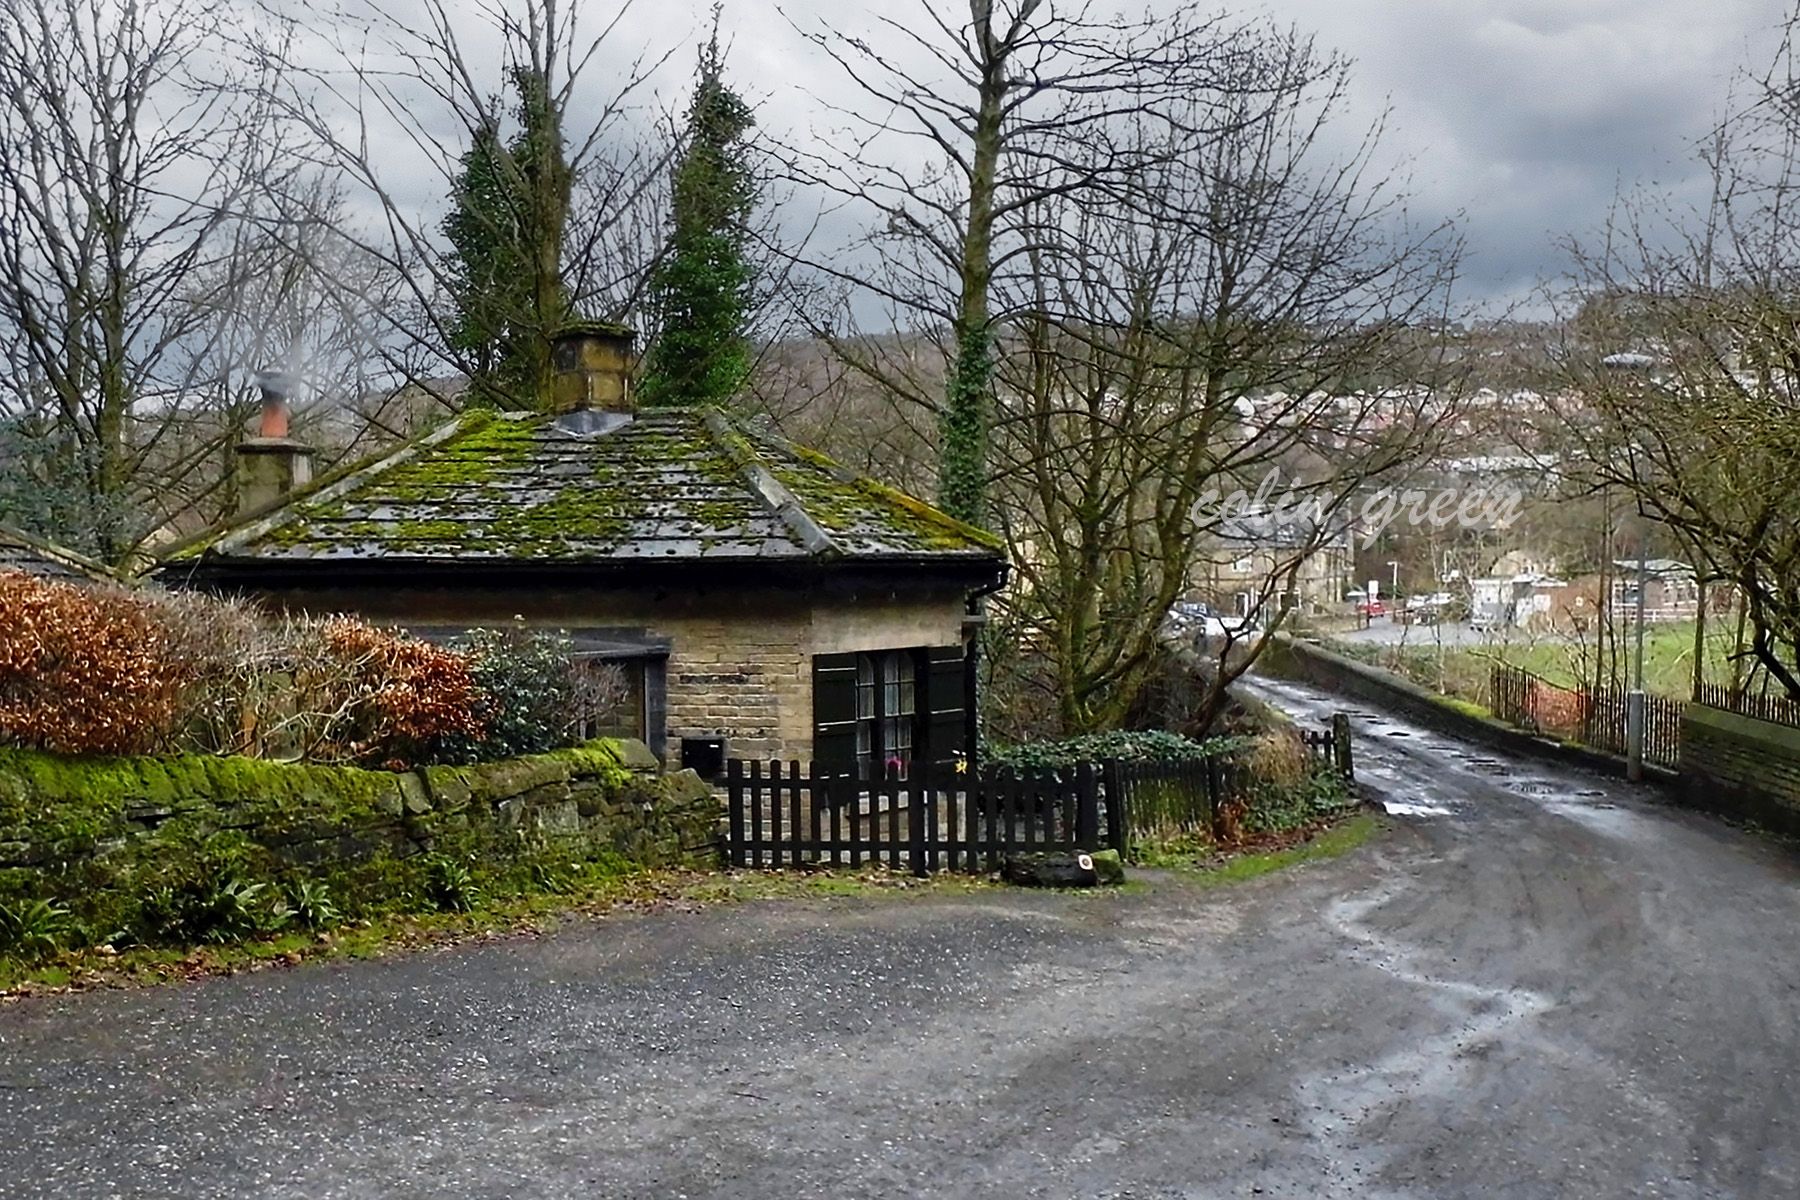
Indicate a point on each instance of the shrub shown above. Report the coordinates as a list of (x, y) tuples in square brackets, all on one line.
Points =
[(406, 699), (107, 671), (450, 884), (1128, 745), (1289, 788), (216, 905), (534, 695), (237, 670), (549, 879), (82, 670), (527, 691), (311, 904)]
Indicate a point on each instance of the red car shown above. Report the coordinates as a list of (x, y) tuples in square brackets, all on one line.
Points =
[(1372, 608)]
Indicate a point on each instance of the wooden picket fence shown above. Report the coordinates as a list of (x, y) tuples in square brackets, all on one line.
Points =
[(794, 814)]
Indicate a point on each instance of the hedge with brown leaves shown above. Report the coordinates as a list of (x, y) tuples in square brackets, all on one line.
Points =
[(82, 670), (411, 697), (107, 671)]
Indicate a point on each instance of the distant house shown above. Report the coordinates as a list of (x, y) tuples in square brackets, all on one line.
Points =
[(1671, 592), (1243, 566), (1516, 563), (20, 551), (754, 591)]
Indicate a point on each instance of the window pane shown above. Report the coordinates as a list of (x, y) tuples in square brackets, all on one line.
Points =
[(865, 687)]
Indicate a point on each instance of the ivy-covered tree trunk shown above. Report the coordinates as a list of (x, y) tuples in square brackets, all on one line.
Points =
[(506, 226), (544, 170), (963, 429), (967, 412)]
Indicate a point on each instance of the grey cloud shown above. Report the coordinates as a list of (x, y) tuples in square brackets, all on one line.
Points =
[(1526, 116), (1529, 116)]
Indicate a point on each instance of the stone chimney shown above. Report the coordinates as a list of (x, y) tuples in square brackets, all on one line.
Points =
[(592, 365), (271, 465)]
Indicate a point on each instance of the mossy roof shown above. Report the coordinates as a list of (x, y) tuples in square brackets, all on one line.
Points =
[(666, 485), (21, 552)]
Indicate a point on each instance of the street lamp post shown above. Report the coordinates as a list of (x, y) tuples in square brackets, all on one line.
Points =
[(1634, 700)]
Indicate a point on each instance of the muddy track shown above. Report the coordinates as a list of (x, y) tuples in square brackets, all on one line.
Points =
[(1532, 984)]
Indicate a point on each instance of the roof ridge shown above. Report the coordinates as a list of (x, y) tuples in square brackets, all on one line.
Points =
[(61, 555), (328, 489), (885, 491), (771, 491)]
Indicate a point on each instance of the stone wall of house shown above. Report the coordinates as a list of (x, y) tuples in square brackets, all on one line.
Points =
[(1741, 767), (748, 675), (100, 835), (741, 658), (749, 680)]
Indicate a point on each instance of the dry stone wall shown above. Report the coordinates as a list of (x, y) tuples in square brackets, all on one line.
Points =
[(103, 836)]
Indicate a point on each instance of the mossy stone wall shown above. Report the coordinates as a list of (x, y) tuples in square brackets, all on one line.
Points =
[(1742, 767), (101, 836)]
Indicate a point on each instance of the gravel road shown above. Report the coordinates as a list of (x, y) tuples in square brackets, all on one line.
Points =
[(1530, 984)]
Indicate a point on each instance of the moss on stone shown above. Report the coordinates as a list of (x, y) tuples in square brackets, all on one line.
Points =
[(104, 836), (843, 505)]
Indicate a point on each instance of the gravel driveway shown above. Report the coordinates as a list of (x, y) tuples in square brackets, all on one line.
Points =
[(1530, 984)]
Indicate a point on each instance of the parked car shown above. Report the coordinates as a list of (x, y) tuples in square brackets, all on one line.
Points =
[(1372, 608), (1197, 622), (1431, 609), (1424, 610)]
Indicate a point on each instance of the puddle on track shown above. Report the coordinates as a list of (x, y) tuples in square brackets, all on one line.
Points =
[(1407, 808), (1397, 753)]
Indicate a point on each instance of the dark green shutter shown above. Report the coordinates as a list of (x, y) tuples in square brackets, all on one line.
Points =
[(834, 710), (945, 728)]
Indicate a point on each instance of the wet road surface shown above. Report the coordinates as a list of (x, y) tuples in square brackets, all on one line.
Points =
[(1532, 984)]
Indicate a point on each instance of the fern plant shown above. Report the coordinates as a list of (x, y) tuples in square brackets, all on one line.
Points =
[(33, 929), (450, 884)]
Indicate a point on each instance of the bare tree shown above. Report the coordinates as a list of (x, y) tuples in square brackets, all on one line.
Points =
[(1681, 365), (290, 295), (1244, 309), (579, 181), (121, 168), (964, 127)]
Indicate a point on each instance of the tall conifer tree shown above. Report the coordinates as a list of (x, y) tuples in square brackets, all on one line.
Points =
[(701, 291), (509, 211)]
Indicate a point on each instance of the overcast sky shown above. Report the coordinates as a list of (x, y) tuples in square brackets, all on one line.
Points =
[(1526, 117)]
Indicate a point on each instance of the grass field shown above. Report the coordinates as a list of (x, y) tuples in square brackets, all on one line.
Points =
[(1463, 670), (1668, 659)]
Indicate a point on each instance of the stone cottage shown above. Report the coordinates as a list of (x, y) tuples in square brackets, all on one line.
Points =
[(1257, 563), (755, 592)]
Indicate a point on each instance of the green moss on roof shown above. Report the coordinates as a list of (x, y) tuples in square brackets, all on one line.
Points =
[(665, 486), (840, 502)]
